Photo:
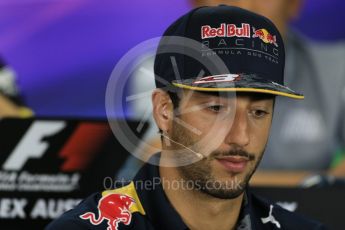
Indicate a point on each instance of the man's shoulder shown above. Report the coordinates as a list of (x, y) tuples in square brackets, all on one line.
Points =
[(71, 219), (271, 213), (115, 209)]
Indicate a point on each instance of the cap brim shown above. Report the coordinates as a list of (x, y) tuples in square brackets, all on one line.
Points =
[(243, 83)]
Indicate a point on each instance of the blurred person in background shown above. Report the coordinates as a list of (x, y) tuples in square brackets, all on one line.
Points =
[(310, 136), (11, 103)]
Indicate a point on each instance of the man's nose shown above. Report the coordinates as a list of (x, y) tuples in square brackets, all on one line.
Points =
[(238, 133)]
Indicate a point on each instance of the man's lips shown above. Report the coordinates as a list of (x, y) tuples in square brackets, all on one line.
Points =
[(235, 164)]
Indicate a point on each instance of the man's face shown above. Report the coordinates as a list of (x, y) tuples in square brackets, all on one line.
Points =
[(231, 132)]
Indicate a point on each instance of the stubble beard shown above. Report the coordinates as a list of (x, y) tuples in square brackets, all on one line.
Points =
[(200, 173)]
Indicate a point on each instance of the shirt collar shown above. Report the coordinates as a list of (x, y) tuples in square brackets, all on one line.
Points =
[(156, 204), (245, 221)]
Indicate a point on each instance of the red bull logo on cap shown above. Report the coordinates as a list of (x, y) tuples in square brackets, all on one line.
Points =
[(114, 208), (226, 30), (265, 36)]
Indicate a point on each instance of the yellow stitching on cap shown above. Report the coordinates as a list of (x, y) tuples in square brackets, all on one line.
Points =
[(239, 90)]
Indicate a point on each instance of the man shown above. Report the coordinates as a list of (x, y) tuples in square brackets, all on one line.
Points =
[(213, 107)]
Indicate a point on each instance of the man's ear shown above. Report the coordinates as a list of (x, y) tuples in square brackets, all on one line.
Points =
[(162, 109)]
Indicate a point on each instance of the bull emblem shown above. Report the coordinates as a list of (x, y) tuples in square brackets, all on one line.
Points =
[(114, 208)]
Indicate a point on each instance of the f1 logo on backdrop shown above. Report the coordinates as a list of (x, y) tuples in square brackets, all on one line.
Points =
[(44, 166), (77, 152), (31, 145)]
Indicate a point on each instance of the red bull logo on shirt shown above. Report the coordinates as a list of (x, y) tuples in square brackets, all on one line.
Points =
[(114, 208), (265, 36)]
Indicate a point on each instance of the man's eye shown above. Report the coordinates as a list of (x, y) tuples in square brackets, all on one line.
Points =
[(215, 108), (259, 113)]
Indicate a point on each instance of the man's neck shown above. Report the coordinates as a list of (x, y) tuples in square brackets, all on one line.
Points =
[(197, 209)]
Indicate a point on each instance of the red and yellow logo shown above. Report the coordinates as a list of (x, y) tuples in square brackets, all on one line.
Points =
[(265, 36), (115, 207)]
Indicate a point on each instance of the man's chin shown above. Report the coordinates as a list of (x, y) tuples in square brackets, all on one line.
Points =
[(224, 193), (227, 186)]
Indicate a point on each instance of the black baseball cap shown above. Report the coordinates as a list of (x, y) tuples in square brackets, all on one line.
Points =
[(236, 50)]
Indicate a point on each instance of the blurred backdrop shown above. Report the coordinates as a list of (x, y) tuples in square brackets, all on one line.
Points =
[(63, 51)]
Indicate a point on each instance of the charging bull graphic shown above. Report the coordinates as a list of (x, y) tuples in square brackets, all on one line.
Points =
[(114, 208), (265, 36)]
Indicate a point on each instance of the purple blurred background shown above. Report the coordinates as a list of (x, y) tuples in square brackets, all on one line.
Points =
[(64, 51)]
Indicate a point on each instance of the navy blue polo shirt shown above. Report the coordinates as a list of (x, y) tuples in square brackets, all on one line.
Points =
[(142, 204)]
